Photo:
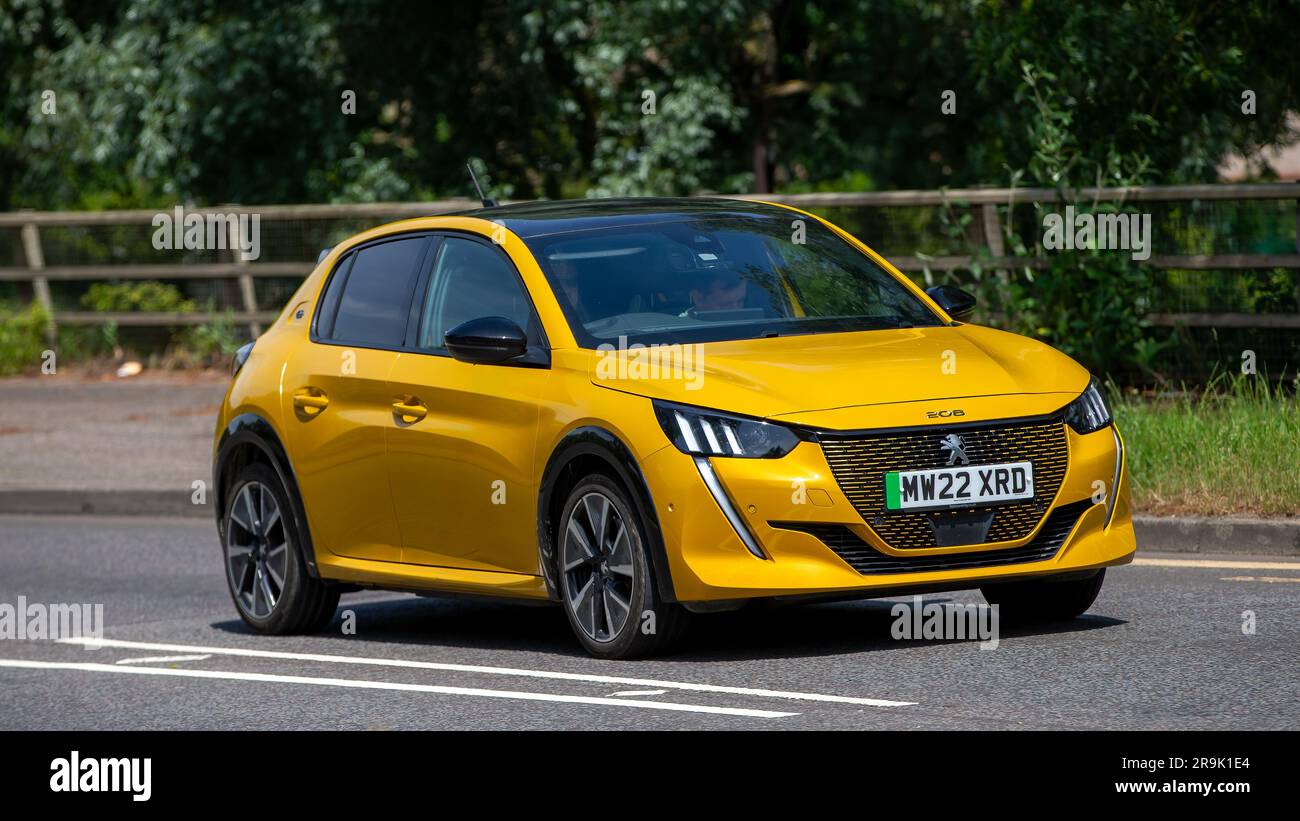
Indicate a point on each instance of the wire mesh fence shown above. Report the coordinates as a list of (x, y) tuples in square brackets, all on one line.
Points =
[(1222, 271)]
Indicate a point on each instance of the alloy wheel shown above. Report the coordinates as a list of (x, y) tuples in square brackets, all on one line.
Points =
[(257, 550), (599, 574)]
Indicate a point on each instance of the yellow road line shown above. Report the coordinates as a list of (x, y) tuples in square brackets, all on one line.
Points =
[(1219, 564), (1269, 579)]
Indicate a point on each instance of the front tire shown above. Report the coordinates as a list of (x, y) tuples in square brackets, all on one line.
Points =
[(1044, 600), (265, 573), (605, 580)]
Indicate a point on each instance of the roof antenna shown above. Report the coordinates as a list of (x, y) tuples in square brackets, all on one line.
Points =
[(488, 202)]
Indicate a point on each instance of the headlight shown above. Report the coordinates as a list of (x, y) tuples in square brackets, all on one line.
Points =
[(1089, 412), (709, 433)]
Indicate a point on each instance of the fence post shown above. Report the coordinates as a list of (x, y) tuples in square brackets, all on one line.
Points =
[(993, 230), (40, 285), (998, 248), (246, 286), (250, 299)]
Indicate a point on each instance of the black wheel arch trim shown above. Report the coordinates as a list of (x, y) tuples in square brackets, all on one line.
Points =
[(596, 441), (252, 429)]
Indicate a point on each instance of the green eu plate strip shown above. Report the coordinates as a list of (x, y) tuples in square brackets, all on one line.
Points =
[(892, 501)]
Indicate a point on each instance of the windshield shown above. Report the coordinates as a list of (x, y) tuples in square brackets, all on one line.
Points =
[(705, 279)]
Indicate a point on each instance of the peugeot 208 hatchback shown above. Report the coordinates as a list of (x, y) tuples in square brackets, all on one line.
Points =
[(643, 409)]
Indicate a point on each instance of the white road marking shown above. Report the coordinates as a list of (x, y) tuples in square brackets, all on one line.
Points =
[(366, 684), (1269, 579), (623, 693), (161, 659), (497, 671), (1217, 563)]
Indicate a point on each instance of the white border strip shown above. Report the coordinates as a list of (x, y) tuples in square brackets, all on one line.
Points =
[(365, 684), (498, 671)]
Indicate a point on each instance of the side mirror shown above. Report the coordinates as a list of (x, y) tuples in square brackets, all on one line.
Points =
[(958, 303), (486, 340)]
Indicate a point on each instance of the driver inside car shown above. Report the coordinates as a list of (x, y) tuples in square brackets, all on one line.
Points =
[(717, 290)]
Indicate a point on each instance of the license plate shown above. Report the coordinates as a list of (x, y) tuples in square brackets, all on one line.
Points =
[(962, 486)]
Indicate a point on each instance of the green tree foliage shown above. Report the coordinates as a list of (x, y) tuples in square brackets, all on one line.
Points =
[(1157, 81), (188, 99), (241, 101)]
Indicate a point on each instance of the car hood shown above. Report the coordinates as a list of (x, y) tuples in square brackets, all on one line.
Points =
[(853, 380)]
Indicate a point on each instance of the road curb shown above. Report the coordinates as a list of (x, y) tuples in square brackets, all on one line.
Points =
[(159, 503), (1165, 534), (1200, 534)]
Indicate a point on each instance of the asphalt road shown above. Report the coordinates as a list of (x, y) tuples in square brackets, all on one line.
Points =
[(151, 432), (1163, 648)]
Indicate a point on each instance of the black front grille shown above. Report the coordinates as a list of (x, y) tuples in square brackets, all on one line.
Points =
[(865, 559), (859, 463)]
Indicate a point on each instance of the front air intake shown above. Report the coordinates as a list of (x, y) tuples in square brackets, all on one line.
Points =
[(868, 561)]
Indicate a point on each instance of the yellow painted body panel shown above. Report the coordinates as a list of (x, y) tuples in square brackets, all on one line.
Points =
[(339, 452), (790, 377), (450, 502), (464, 477)]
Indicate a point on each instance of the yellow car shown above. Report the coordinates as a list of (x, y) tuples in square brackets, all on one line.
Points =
[(647, 409)]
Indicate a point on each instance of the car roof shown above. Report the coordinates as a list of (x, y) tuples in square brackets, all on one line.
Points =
[(536, 219)]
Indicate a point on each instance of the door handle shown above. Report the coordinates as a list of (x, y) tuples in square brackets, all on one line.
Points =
[(310, 401), (410, 410)]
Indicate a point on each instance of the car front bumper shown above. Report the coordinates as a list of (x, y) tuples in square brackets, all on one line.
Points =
[(810, 536)]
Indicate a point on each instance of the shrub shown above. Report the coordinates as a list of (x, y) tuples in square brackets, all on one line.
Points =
[(22, 337), (201, 344), (147, 296)]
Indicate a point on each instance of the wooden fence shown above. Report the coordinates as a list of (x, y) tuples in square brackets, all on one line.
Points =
[(986, 200)]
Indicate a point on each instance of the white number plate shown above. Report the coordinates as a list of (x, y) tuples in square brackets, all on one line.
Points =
[(962, 486)]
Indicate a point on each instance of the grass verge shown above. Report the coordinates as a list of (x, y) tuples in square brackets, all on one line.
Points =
[(1233, 449)]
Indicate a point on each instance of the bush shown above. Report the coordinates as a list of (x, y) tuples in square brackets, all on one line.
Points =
[(212, 340), (22, 337), (146, 296), (82, 342)]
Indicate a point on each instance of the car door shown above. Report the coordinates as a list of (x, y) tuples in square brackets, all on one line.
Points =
[(461, 466), (337, 404)]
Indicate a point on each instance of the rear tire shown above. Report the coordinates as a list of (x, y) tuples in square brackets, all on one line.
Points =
[(606, 583), (1044, 600), (265, 572)]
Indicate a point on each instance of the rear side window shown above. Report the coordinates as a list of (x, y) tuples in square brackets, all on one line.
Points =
[(373, 291)]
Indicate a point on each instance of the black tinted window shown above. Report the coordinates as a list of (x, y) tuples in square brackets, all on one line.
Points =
[(470, 280), (329, 305), (710, 278), (377, 293)]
